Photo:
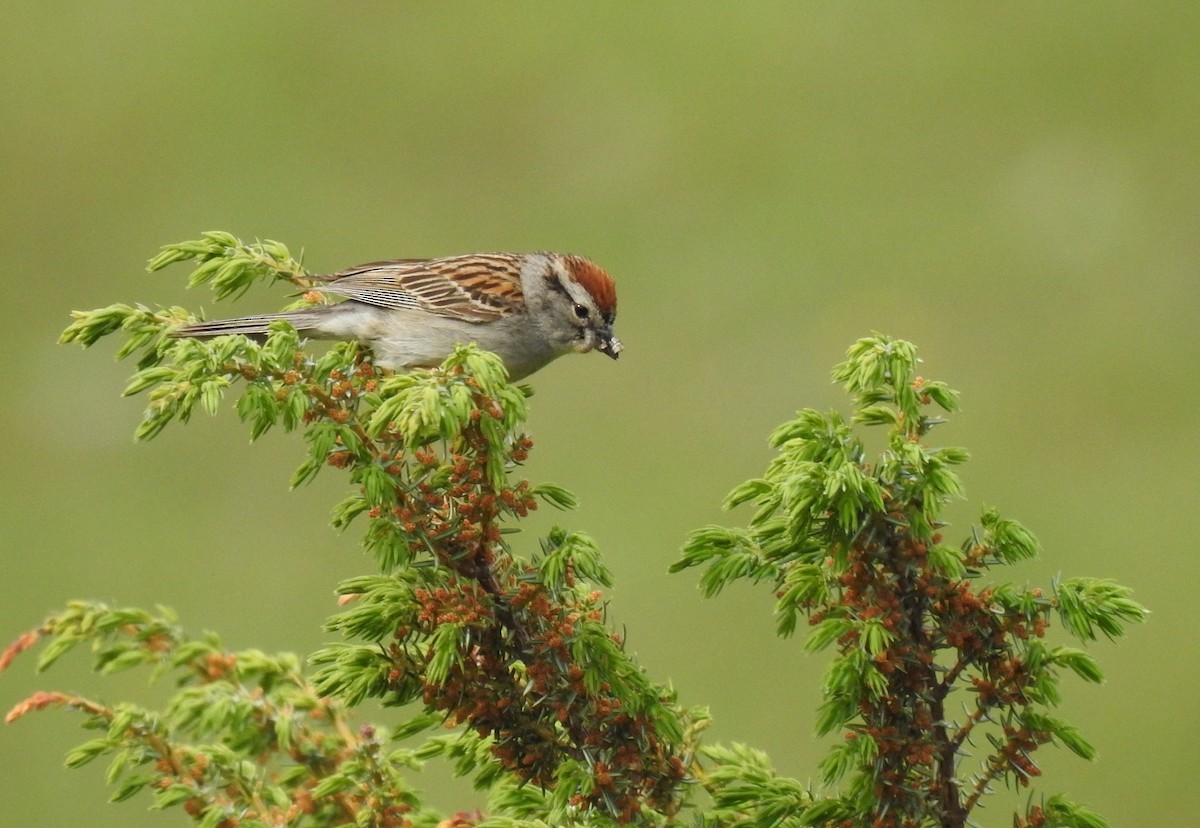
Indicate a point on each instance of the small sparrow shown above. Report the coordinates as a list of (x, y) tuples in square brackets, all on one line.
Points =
[(528, 308)]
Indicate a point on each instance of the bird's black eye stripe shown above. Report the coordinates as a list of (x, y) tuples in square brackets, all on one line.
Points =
[(581, 311)]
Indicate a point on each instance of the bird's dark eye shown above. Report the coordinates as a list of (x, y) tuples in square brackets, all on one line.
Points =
[(581, 311)]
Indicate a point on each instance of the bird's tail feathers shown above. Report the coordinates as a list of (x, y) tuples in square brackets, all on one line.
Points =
[(256, 325)]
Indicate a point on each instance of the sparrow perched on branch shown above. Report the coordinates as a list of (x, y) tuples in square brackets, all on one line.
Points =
[(528, 308)]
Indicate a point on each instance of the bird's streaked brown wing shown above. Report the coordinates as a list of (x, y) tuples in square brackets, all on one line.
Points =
[(480, 287)]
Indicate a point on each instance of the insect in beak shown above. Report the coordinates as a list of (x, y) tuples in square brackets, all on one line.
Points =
[(609, 344)]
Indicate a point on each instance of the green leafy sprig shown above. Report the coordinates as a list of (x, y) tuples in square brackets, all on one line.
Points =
[(246, 740), (855, 545)]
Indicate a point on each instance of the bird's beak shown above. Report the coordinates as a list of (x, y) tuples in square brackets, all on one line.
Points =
[(609, 344)]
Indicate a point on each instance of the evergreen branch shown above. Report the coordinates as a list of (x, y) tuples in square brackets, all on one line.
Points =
[(857, 546), (517, 652)]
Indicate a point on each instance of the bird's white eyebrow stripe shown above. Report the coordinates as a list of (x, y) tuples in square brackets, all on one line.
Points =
[(555, 282)]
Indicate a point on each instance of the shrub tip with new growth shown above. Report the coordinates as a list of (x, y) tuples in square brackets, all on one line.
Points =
[(855, 545)]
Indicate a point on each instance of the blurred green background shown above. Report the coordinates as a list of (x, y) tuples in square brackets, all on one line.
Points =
[(1013, 187)]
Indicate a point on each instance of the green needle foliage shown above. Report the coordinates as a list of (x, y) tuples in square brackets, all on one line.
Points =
[(855, 546), (554, 718), (503, 664)]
